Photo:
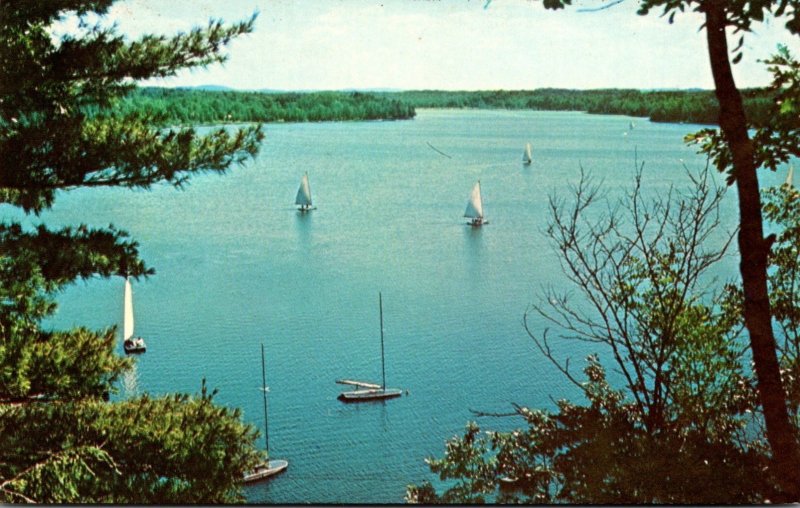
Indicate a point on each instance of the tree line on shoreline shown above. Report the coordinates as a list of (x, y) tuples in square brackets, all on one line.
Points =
[(191, 106), (184, 106), (676, 106)]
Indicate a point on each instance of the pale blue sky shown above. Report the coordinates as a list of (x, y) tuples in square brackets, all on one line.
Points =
[(448, 44)]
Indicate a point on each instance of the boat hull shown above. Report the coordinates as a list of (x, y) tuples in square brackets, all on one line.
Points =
[(265, 470), (368, 395), (135, 346)]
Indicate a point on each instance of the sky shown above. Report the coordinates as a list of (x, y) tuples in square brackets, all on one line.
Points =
[(448, 45)]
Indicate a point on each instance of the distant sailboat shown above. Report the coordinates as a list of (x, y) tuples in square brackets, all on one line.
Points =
[(789, 176), (303, 199), (527, 157), (474, 209), (270, 467), (631, 125), (370, 391), (129, 342)]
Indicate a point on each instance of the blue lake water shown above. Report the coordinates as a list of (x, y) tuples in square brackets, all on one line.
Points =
[(238, 266)]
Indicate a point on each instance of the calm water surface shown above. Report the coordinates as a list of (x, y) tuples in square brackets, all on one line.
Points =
[(238, 266)]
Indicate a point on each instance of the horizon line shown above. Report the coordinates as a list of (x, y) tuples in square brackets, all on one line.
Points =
[(223, 88)]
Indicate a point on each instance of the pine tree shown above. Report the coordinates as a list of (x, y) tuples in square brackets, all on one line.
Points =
[(61, 440)]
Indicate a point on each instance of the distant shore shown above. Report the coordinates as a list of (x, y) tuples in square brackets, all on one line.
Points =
[(202, 106)]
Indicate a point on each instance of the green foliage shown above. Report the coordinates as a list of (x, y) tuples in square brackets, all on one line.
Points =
[(775, 140), (741, 15), (594, 454), (176, 449), (660, 106), (679, 430), (782, 210), (60, 129), (49, 142), (180, 106)]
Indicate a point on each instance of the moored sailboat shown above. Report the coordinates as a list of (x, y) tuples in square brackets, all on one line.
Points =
[(130, 343), (365, 391), (270, 466), (474, 210), (303, 199)]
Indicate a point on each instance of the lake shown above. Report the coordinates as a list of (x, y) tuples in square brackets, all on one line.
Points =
[(237, 266)]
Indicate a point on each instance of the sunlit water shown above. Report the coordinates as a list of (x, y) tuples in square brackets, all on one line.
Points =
[(238, 266)]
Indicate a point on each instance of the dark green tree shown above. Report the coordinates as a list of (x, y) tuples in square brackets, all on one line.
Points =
[(61, 441), (739, 155), (741, 167), (782, 211)]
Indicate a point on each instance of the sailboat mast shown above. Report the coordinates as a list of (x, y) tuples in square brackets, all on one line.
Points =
[(264, 392), (383, 367)]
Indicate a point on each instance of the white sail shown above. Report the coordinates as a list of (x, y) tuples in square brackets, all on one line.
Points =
[(127, 318), (789, 177), (475, 204), (304, 192), (527, 156)]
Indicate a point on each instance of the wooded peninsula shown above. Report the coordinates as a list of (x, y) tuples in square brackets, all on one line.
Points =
[(184, 106)]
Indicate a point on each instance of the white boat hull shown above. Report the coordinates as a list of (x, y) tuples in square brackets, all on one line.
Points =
[(265, 470), (371, 394)]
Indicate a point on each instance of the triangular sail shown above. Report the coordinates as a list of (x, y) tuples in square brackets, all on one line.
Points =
[(475, 204), (304, 192), (789, 177), (127, 317), (527, 156)]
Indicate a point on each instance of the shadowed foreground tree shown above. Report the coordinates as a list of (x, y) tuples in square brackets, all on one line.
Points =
[(60, 440), (678, 430), (740, 156)]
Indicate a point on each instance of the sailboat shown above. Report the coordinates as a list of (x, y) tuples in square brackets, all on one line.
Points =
[(789, 176), (364, 391), (474, 209), (129, 342), (270, 467), (527, 157), (303, 199)]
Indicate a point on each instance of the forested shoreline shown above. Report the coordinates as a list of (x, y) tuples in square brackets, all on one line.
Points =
[(184, 106), (676, 106)]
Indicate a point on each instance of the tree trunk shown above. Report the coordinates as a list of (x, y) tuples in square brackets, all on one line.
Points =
[(753, 249)]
